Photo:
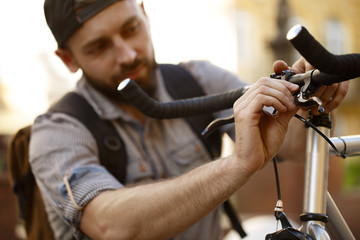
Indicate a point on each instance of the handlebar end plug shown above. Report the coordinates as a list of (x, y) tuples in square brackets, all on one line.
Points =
[(123, 84), (294, 32)]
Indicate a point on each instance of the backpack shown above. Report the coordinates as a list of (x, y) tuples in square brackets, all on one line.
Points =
[(179, 84)]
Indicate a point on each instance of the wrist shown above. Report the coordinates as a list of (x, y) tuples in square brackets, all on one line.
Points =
[(239, 169)]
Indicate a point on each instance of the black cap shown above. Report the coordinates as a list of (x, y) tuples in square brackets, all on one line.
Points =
[(63, 19)]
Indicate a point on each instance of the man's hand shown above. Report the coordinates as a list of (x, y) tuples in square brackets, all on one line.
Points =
[(260, 134), (331, 96)]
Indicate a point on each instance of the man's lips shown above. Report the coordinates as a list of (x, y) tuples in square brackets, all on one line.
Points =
[(134, 74)]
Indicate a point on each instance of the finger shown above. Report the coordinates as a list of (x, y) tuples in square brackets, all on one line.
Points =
[(328, 94), (275, 89), (337, 97), (320, 91), (301, 66), (280, 66), (281, 85), (262, 100), (280, 91), (254, 110)]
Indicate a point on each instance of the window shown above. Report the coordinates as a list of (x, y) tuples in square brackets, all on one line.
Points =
[(335, 36)]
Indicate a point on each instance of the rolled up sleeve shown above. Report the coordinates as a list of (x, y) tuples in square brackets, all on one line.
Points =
[(62, 146)]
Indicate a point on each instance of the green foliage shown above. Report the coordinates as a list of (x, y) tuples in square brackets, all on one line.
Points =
[(352, 173)]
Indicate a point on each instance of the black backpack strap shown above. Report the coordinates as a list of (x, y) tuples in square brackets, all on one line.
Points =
[(180, 84), (112, 152), (230, 212)]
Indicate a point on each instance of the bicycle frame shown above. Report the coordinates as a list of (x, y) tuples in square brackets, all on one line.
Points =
[(315, 184), (337, 226), (321, 217)]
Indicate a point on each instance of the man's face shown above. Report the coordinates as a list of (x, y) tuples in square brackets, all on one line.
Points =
[(113, 45)]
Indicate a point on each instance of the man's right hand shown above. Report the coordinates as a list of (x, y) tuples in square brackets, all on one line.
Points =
[(260, 134)]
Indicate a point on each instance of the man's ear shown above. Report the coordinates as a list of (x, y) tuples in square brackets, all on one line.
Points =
[(67, 59), (141, 4)]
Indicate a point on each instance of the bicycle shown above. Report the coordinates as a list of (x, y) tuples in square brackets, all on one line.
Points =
[(320, 218)]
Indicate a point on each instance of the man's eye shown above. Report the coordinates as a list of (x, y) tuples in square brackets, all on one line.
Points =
[(130, 30), (97, 48)]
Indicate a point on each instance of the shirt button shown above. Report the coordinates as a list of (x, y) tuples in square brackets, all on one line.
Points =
[(197, 148), (142, 168)]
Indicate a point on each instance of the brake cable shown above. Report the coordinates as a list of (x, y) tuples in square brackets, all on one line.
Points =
[(308, 123), (279, 213)]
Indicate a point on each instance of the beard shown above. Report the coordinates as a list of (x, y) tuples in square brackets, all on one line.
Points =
[(147, 82)]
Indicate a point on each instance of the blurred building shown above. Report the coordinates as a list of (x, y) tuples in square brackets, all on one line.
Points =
[(262, 26)]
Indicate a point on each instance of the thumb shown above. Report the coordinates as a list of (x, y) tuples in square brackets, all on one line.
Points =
[(280, 66)]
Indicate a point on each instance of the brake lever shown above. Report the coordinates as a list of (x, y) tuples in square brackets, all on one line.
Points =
[(303, 96), (216, 124)]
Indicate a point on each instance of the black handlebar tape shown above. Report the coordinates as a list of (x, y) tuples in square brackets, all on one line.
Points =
[(319, 79), (179, 108), (324, 79), (319, 57)]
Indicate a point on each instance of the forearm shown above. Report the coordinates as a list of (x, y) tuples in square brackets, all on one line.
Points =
[(163, 209)]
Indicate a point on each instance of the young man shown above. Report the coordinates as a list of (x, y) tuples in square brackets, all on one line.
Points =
[(109, 40)]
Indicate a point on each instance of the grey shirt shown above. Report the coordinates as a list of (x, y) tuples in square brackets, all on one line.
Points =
[(61, 144)]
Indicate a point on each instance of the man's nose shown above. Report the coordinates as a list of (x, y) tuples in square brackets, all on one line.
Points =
[(125, 53)]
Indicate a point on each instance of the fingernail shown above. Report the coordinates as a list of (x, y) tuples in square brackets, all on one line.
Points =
[(294, 86)]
